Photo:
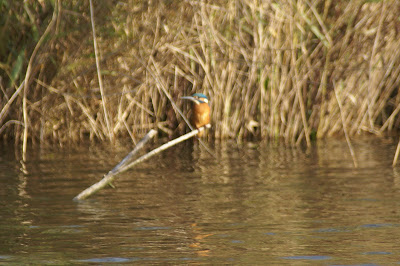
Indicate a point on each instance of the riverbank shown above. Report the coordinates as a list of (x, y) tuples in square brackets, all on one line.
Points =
[(288, 71)]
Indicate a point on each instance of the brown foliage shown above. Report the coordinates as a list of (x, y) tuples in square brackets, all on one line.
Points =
[(271, 69)]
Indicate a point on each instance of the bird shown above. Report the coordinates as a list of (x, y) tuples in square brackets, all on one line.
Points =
[(200, 110)]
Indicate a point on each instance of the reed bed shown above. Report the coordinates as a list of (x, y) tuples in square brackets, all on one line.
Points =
[(292, 71)]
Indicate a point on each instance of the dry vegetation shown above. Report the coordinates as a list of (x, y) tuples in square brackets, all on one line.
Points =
[(272, 69)]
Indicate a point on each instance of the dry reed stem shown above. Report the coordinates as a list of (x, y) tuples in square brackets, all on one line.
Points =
[(372, 73), (339, 102), (28, 78), (96, 52), (396, 155)]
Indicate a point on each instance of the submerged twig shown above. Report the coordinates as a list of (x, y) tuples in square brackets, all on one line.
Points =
[(125, 164)]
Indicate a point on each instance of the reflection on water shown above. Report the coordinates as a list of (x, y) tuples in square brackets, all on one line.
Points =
[(254, 203)]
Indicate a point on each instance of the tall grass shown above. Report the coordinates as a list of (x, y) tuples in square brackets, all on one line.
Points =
[(272, 69)]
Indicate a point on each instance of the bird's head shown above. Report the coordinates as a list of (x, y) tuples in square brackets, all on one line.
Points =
[(197, 98)]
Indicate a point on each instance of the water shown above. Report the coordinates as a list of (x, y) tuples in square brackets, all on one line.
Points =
[(253, 204)]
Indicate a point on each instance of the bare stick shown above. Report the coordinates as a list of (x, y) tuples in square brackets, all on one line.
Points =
[(124, 165), (166, 146), (109, 177)]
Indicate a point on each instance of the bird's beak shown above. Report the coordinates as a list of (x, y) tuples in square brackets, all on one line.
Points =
[(190, 98)]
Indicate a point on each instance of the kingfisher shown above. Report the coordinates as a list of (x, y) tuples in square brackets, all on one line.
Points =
[(200, 110)]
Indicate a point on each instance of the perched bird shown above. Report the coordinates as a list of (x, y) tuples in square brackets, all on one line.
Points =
[(200, 110)]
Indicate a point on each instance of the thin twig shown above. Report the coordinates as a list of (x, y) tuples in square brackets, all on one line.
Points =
[(6, 107), (3, 127)]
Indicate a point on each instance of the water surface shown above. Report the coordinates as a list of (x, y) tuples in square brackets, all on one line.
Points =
[(252, 204)]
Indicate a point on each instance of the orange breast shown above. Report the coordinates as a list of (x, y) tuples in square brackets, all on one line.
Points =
[(200, 115)]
